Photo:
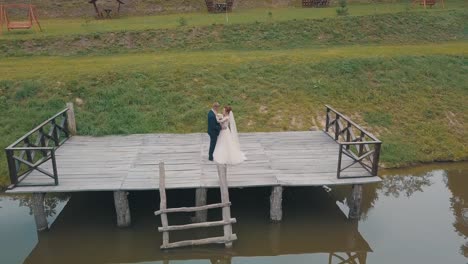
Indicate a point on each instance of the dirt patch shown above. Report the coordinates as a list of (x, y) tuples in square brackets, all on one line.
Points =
[(314, 126), (455, 124), (277, 119), (296, 122), (79, 101)]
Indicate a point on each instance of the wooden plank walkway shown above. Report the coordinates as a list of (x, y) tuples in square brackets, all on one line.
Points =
[(131, 163)]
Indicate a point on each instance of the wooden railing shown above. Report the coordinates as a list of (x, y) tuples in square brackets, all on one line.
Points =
[(355, 142), (38, 146)]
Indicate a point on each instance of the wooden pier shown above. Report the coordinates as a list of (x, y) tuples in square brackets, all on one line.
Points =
[(50, 159)]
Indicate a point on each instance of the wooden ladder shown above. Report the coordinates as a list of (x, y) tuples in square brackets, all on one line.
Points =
[(225, 204)]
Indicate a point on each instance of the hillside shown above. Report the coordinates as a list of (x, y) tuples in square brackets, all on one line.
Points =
[(81, 8), (383, 29), (400, 74)]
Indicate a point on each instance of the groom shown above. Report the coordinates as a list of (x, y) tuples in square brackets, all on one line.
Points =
[(213, 128)]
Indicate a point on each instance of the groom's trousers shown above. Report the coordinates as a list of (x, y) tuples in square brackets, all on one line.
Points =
[(213, 139)]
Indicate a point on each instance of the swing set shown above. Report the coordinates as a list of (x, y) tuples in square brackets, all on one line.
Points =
[(18, 24)]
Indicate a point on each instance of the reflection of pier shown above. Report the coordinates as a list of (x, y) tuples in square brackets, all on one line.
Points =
[(81, 233)]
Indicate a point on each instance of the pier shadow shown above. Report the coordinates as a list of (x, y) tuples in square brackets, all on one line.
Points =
[(85, 231)]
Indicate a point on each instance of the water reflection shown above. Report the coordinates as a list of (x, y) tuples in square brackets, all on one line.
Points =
[(457, 182), (414, 215), (84, 234), (17, 229), (50, 204)]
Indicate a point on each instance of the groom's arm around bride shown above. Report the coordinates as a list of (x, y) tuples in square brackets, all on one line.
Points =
[(213, 129)]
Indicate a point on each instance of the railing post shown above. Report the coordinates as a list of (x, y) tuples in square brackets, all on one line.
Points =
[(348, 134), (29, 156), (361, 146), (340, 153), (54, 166), (12, 166), (71, 123), (375, 160), (337, 127), (54, 133), (327, 122), (42, 141)]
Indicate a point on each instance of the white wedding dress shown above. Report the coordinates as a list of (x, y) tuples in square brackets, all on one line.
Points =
[(227, 150)]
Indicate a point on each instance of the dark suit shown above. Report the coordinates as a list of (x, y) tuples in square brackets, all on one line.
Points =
[(213, 130)]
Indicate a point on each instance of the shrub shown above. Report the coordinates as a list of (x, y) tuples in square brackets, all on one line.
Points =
[(27, 89), (182, 22), (343, 9)]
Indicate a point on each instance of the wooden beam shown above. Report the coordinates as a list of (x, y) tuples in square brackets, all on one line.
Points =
[(200, 201), (71, 122), (354, 203), (226, 211), (191, 209), (211, 240), (163, 203), (38, 209), (122, 208), (276, 199), (197, 225)]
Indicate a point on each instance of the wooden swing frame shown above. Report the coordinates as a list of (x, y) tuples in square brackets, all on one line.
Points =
[(23, 24), (429, 3)]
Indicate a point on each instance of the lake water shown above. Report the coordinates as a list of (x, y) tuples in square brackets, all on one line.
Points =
[(416, 215)]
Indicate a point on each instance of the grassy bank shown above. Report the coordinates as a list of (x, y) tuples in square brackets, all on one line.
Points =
[(87, 25), (68, 68), (402, 75), (383, 29), (421, 117)]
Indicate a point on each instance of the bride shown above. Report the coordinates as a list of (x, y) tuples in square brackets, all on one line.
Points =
[(227, 150)]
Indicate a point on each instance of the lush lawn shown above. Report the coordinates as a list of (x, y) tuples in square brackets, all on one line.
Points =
[(68, 68), (417, 107), (401, 75), (401, 28), (61, 27)]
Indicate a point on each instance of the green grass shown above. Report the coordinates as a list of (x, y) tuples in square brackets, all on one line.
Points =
[(66, 68), (383, 29), (265, 93), (402, 76), (62, 27)]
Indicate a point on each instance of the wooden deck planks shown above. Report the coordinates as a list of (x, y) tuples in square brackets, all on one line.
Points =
[(131, 163)]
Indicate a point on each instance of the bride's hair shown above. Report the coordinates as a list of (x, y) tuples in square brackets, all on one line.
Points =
[(228, 109)]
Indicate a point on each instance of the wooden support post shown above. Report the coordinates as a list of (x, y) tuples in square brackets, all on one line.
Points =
[(223, 185), (200, 200), (375, 159), (163, 203), (38, 209), (354, 202), (122, 208), (71, 119), (276, 199)]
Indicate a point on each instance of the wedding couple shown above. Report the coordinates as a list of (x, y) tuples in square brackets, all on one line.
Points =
[(224, 140)]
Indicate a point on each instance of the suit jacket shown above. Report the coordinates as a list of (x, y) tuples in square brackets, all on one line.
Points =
[(213, 126)]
